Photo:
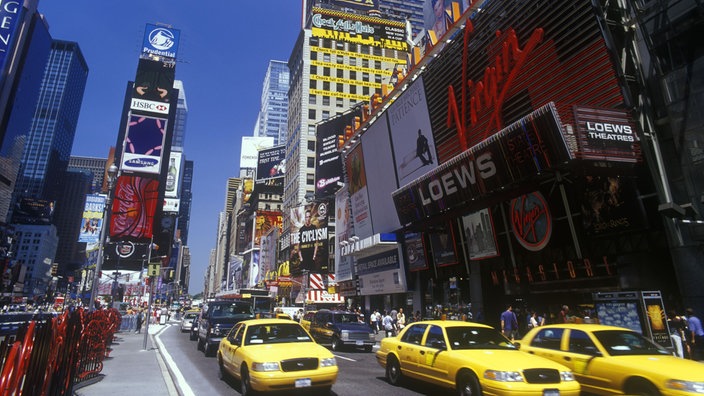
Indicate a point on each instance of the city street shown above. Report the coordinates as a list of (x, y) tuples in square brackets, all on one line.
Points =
[(360, 374)]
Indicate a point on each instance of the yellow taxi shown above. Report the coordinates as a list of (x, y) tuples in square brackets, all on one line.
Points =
[(275, 355), (307, 319), (470, 359), (610, 360)]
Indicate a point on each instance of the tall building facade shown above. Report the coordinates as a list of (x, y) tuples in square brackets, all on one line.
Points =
[(328, 76), (90, 165), (184, 215), (50, 138), (274, 103), (405, 10), (179, 137)]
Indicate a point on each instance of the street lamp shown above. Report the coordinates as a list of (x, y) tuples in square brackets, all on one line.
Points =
[(112, 173)]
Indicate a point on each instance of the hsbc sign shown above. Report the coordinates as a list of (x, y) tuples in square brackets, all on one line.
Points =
[(149, 106)]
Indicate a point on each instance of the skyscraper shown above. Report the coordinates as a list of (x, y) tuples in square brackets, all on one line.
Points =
[(181, 116), (410, 10), (273, 114), (93, 165), (50, 138), (184, 215)]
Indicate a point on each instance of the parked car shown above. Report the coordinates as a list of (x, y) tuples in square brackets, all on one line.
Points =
[(341, 329), (217, 318), (609, 360), (275, 355), (470, 359), (187, 320)]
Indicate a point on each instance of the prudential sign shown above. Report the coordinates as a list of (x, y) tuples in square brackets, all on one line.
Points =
[(160, 41)]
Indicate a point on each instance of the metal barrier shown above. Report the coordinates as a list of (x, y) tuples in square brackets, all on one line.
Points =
[(48, 354)]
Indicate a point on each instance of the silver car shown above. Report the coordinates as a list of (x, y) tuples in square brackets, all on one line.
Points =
[(187, 321)]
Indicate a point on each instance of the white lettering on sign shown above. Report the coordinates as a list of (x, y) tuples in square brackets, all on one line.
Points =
[(608, 131)]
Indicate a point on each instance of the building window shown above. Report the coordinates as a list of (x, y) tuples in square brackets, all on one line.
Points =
[(326, 85), (353, 61), (311, 114), (312, 99), (353, 89), (313, 41), (326, 101), (326, 114), (353, 75), (312, 84), (340, 73), (326, 58), (340, 87), (313, 70), (314, 55), (340, 45), (310, 179), (311, 146), (377, 78), (310, 162), (365, 91), (326, 71), (311, 130), (339, 102), (365, 76), (377, 65), (365, 62), (340, 59)]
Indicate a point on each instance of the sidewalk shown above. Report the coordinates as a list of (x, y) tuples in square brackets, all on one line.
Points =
[(130, 369)]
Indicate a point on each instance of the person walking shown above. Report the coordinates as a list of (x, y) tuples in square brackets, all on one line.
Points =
[(509, 323), (388, 324), (564, 318), (400, 319), (696, 335), (140, 320)]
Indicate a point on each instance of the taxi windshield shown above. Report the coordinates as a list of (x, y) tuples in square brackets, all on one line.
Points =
[(623, 343), (470, 337), (275, 334)]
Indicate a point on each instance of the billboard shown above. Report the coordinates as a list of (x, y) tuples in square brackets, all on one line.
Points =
[(92, 221), (126, 255), (161, 41), (309, 238), (143, 145), (33, 211), (480, 235), (344, 265), (133, 208), (173, 175), (356, 29), (357, 182), (152, 87), (265, 222), (271, 163), (250, 147), (328, 165)]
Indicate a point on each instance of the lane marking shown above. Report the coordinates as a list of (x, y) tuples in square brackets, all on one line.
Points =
[(343, 357), (173, 368)]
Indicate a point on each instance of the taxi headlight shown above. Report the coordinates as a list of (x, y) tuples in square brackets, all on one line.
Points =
[(328, 362), (265, 366), (503, 376), (686, 386), (566, 376)]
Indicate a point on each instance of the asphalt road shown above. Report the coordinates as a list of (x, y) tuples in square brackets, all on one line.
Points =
[(360, 374)]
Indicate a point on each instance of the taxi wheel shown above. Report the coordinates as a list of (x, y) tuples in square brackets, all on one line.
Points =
[(468, 385), (393, 371), (245, 384), (641, 388)]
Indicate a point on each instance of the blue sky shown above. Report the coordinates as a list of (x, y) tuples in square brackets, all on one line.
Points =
[(223, 55)]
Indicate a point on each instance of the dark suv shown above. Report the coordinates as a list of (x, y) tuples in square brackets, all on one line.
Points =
[(217, 318), (341, 328)]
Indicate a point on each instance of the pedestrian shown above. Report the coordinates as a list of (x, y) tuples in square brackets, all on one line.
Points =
[(564, 312), (400, 319), (388, 324), (140, 319), (676, 325), (533, 322), (696, 335), (375, 319), (509, 323)]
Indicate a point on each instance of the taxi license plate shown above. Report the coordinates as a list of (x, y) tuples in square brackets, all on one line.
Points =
[(551, 392), (360, 342), (302, 383)]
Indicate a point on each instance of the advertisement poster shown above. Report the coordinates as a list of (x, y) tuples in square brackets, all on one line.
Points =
[(309, 238), (415, 252), (442, 245), (92, 220), (357, 181), (656, 318), (411, 134), (479, 231), (344, 269)]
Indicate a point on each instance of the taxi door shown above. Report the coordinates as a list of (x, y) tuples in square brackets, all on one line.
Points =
[(579, 354), (232, 342), (408, 349), (432, 357)]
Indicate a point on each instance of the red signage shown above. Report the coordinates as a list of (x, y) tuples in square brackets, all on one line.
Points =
[(530, 221)]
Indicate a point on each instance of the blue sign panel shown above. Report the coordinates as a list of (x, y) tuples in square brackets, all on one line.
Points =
[(160, 41), (9, 15)]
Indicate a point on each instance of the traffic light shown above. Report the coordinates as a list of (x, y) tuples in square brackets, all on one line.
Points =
[(54, 269)]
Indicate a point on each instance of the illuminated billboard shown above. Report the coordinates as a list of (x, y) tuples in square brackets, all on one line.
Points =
[(152, 87), (144, 141), (358, 29), (33, 211), (328, 164), (271, 163), (133, 208), (92, 221), (357, 182), (173, 175), (161, 41)]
